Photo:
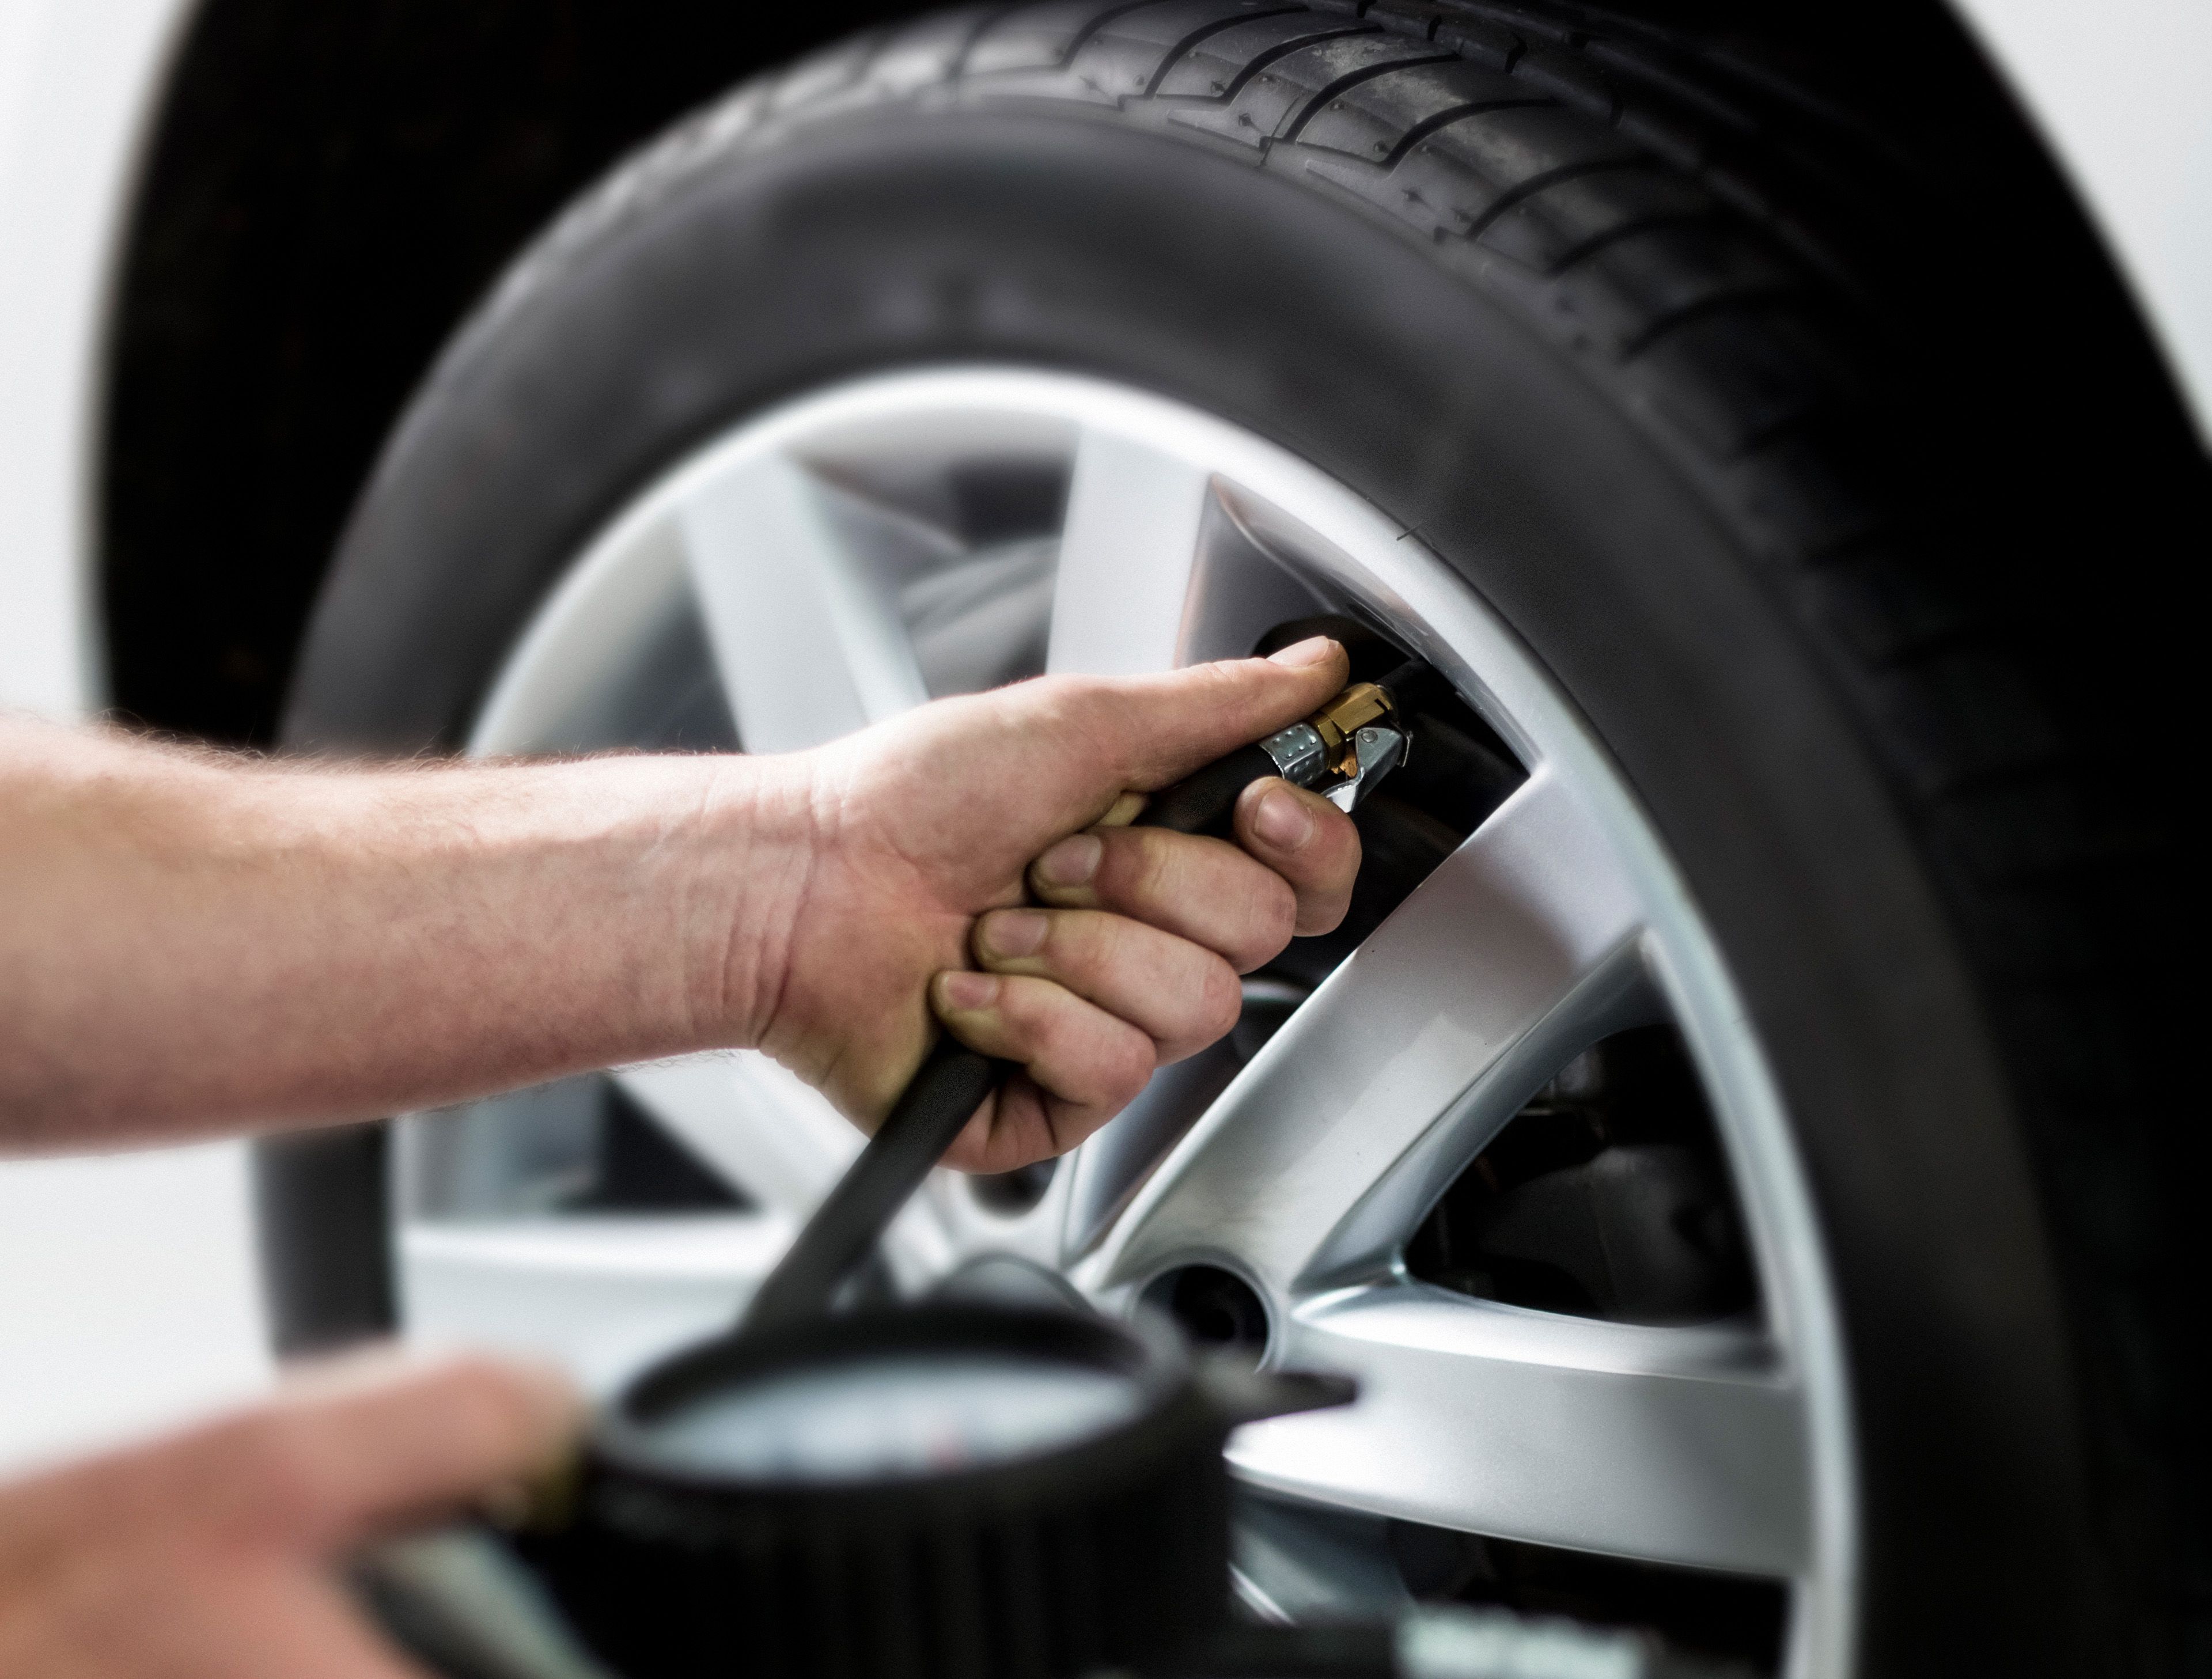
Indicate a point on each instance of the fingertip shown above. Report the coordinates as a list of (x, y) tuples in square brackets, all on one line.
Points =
[(1311, 846), (1189, 716), (552, 1408), (1277, 818), (1065, 873), (1313, 650), (1322, 914), (958, 991), (350, 1444), (1124, 1065), (1010, 935), (1320, 665), (1125, 808), (1221, 1008), (529, 1410)]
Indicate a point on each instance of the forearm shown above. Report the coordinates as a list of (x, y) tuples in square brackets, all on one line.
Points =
[(189, 940)]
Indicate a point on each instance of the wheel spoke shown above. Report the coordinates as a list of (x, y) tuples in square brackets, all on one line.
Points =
[(760, 1127), (1299, 1561), (1402, 1063), (1680, 1445), (1125, 553), (807, 636), (599, 1295), (779, 1140)]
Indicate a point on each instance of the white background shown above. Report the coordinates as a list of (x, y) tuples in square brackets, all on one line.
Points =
[(127, 1296)]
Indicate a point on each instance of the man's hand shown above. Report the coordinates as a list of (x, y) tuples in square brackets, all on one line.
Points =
[(208, 1555), (924, 836), (191, 939)]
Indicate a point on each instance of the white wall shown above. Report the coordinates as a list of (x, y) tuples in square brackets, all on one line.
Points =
[(126, 1291), (127, 1296)]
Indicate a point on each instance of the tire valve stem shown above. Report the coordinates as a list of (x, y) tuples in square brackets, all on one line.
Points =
[(1350, 743)]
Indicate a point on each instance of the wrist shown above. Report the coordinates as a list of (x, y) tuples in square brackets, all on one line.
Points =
[(744, 861)]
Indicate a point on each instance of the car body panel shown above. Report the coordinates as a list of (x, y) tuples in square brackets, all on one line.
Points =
[(80, 85), (2116, 92)]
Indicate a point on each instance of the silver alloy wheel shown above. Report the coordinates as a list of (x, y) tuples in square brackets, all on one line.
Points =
[(795, 567)]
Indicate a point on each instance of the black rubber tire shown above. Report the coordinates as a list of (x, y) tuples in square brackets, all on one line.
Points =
[(1652, 386)]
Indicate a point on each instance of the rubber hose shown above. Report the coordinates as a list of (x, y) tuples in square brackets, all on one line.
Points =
[(1205, 801)]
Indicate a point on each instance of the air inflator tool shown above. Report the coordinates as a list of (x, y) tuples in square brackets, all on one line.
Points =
[(1341, 751), (946, 1490)]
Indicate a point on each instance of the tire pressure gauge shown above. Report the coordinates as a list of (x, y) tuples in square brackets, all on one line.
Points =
[(943, 1489), (936, 1492)]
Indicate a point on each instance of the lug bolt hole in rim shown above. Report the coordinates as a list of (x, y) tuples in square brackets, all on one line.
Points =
[(1517, 1164), (1217, 1309)]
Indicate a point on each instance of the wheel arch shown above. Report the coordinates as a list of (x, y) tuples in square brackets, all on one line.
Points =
[(323, 194)]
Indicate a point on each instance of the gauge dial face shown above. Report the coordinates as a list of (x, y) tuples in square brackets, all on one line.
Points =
[(892, 1417)]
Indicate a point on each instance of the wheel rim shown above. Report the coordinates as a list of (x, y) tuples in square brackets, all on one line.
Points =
[(825, 566)]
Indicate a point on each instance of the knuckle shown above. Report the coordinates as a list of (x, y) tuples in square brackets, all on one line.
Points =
[(1128, 1069), (1148, 875), (1323, 912), (1223, 1003), (1090, 709), (1059, 946), (1038, 1023), (283, 1477), (1161, 872), (1095, 1068), (1049, 699), (1122, 947), (1060, 1038), (1271, 919), (1095, 941), (1222, 683), (1344, 849)]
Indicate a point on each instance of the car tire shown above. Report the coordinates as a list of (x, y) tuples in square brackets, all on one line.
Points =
[(1491, 269)]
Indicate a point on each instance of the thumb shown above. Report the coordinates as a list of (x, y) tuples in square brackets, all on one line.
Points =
[(344, 1447), (1178, 720)]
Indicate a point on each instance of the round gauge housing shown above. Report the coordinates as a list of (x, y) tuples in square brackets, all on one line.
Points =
[(946, 1488)]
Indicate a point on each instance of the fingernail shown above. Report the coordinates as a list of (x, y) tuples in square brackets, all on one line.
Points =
[(1313, 650), (1014, 932), (1281, 820), (963, 991), (1071, 862)]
